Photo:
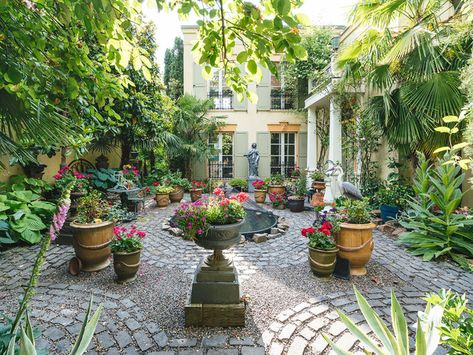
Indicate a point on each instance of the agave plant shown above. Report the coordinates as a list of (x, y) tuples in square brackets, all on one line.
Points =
[(396, 342)]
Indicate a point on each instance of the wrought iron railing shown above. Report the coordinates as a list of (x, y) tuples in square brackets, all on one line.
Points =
[(222, 100), (282, 100), (218, 170), (285, 169)]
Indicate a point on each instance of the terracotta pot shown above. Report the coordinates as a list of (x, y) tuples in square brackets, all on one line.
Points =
[(317, 199), (91, 243), (276, 189), (177, 194), (126, 265), (355, 242), (322, 262), (196, 194), (162, 200), (296, 204), (260, 196), (318, 185)]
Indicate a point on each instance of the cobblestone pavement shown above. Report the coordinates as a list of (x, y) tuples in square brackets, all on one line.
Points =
[(288, 311)]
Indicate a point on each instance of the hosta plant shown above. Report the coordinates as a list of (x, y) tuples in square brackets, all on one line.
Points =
[(394, 342), (434, 229)]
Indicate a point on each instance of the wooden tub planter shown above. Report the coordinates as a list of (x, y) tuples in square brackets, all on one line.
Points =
[(318, 185), (260, 196), (126, 265), (322, 262), (162, 199), (195, 194), (177, 195), (355, 243), (276, 189), (91, 243)]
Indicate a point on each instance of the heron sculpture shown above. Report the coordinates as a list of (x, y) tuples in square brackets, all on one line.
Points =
[(346, 188)]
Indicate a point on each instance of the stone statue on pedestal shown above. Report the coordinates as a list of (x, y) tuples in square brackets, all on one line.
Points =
[(253, 160)]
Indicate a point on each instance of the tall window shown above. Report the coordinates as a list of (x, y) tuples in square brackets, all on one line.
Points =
[(219, 92), (221, 164), (283, 153), (281, 98)]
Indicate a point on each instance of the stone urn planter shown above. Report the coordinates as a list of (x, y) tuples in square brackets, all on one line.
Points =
[(355, 243), (322, 262), (215, 295), (260, 196), (162, 199), (91, 243), (276, 189), (296, 203), (195, 194), (126, 265), (177, 195)]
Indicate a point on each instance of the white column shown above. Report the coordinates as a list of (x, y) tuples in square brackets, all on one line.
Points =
[(311, 139), (335, 132)]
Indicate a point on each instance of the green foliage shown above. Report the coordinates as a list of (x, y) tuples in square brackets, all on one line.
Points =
[(25, 215), (92, 209), (239, 183), (21, 182), (357, 212), (456, 330), (394, 193), (219, 213), (277, 179), (174, 70), (317, 175), (434, 229), (193, 126), (301, 186), (176, 179), (161, 189), (102, 179), (396, 342), (415, 68)]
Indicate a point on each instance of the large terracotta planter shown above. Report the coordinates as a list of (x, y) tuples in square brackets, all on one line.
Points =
[(355, 242), (322, 262), (126, 265), (260, 196), (92, 244), (276, 189), (195, 194), (162, 200), (177, 195)]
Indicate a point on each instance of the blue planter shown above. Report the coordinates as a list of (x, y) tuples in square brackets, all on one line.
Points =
[(388, 212)]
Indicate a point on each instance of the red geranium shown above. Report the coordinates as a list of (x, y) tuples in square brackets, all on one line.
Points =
[(306, 231)]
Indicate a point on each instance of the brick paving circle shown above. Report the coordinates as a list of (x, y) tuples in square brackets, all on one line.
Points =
[(146, 316)]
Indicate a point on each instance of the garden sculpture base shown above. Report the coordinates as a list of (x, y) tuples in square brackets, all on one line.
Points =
[(215, 298)]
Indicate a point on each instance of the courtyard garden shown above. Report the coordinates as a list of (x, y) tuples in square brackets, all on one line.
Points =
[(113, 242)]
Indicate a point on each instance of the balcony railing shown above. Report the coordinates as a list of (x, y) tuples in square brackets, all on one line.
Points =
[(218, 170), (221, 100), (281, 100), (285, 169)]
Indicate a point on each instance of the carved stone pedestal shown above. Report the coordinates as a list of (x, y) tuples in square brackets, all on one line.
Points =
[(215, 295)]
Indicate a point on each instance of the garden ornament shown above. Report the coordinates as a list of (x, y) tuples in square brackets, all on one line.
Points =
[(340, 187)]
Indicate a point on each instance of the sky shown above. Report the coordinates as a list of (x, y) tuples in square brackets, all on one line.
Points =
[(320, 12)]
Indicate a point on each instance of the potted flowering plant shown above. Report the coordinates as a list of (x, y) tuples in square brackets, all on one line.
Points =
[(161, 192), (279, 200), (296, 200), (196, 189), (392, 198), (260, 190), (126, 248), (322, 247), (92, 232), (295, 173), (80, 183), (318, 179), (276, 184), (355, 239), (179, 185)]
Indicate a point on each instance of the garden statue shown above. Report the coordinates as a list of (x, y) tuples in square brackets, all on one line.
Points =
[(253, 160), (339, 187)]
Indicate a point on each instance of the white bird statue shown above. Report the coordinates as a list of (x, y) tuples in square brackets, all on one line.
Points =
[(341, 187)]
